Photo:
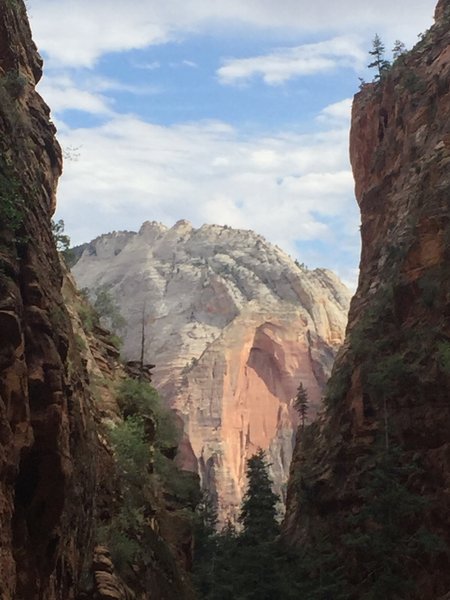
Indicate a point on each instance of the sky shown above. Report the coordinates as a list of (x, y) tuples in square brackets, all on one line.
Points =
[(234, 112)]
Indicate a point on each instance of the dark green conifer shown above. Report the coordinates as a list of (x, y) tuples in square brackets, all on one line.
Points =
[(258, 511), (379, 62), (301, 403)]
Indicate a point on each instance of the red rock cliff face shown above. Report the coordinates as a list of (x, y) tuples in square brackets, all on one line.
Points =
[(233, 325), (391, 381), (47, 476)]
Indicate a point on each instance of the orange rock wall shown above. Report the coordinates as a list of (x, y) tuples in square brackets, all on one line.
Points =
[(391, 382), (243, 387)]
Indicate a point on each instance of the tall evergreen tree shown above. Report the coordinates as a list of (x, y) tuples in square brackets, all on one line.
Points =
[(258, 511), (379, 62), (301, 403)]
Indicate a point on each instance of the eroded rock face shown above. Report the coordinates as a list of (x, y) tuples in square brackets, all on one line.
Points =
[(232, 325), (391, 381), (159, 570), (47, 470)]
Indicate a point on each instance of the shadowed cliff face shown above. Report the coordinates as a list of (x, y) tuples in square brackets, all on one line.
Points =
[(47, 476), (391, 381), (233, 325)]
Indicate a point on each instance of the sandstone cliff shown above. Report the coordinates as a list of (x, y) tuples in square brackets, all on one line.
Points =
[(129, 563), (233, 325), (57, 470), (389, 392), (47, 473)]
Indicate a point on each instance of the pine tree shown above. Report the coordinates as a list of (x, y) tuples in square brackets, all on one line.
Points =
[(398, 50), (379, 62), (258, 511), (301, 404), (388, 530)]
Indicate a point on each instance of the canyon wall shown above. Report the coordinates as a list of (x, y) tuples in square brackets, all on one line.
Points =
[(47, 469), (388, 411), (232, 325), (58, 473)]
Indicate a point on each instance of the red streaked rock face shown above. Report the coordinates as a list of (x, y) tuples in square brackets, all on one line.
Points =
[(232, 325)]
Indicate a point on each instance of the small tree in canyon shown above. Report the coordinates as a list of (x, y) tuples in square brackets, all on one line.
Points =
[(258, 511), (301, 403)]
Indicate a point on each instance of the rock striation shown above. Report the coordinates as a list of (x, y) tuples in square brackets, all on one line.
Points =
[(233, 325), (390, 385), (47, 470), (57, 469)]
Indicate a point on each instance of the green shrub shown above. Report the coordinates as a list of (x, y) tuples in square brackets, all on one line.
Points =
[(12, 204), (80, 343), (107, 309), (88, 317), (444, 356), (140, 398), (132, 451), (137, 397), (124, 549), (384, 530), (429, 287), (387, 375), (115, 341), (338, 385), (183, 485)]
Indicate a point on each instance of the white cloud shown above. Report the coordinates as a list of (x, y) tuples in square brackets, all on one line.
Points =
[(147, 66), (63, 94), (286, 63), (338, 113), (287, 187), (90, 95), (78, 32), (190, 63)]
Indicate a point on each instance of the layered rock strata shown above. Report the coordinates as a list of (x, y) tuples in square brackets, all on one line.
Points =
[(47, 471), (165, 538), (390, 388), (233, 325), (56, 392)]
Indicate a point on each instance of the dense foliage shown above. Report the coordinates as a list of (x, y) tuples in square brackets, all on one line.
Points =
[(241, 565), (256, 564), (144, 443)]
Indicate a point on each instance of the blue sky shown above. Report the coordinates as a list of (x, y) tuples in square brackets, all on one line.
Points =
[(233, 113)]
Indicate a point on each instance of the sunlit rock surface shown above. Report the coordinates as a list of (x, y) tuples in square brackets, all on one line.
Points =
[(233, 325)]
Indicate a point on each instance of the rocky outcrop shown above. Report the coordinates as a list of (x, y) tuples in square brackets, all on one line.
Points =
[(108, 586), (47, 470), (163, 543), (233, 325), (389, 391)]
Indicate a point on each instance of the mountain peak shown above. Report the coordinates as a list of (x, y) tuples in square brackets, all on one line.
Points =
[(233, 325)]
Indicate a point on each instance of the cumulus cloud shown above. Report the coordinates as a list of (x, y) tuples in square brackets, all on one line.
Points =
[(90, 95), (64, 94), (287, 187), (338, 113), (286, 63), (86, 30)]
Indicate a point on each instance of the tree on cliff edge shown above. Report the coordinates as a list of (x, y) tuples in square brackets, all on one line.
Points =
[(301, 403), (379, 62)]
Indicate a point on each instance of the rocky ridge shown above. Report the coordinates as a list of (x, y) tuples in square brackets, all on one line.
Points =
[(233, 325), (389, 392)]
